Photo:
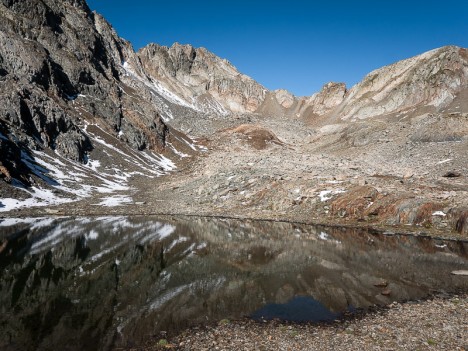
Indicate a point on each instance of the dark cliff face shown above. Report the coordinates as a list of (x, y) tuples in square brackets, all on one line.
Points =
[(60, 68)]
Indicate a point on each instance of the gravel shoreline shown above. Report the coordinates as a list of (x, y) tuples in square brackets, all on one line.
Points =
[(439, 323)]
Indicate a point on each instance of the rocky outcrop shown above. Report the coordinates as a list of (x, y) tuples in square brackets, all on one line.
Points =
[(256, 136), (331, 95), (201, 78), (285, 98), (60, 69), (431, 80)]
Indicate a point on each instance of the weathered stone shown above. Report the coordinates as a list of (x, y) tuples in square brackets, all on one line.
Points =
[(61, 64)]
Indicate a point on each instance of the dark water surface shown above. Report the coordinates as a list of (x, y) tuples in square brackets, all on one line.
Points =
[(100, 283)]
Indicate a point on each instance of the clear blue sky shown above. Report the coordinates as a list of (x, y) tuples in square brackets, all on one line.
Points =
[(296, 45)]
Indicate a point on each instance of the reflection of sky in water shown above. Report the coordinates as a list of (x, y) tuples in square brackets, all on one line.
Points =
[(298, 309)]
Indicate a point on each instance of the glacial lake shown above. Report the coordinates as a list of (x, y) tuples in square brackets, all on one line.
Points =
[(92, 283)]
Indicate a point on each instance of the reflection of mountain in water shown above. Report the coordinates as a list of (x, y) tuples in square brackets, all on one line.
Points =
[(98, 283)]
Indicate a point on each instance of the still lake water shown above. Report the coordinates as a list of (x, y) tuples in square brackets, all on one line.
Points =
[(99, 283)]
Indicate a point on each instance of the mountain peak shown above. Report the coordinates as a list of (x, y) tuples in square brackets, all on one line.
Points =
[(201, 78), (433, 79)]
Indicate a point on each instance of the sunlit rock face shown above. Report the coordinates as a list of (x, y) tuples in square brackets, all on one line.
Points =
[(117, 281), (198, 76), (432, 80), (331, 95)]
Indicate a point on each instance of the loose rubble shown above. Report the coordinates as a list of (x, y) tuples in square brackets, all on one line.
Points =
[(440, 323)]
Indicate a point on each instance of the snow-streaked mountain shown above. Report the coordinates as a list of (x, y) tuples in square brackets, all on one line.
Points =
[(73, 118), (82, 112)]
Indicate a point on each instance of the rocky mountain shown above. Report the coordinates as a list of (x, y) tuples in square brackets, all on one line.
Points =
[(65, 92), (435, 80), (85, 118), (202, 79)]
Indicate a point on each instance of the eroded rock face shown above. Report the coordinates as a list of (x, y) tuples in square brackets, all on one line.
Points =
[(285, 98), (195, 73), (433, 80), (429, 82), (331, 95), (60, 69)]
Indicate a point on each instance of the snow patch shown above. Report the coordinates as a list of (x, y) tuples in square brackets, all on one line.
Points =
[(69, 181), (439, 213), (326, 195), (158, 88), (39, 197), (116, 200), (177, 152), (37, 222), (94, 165)]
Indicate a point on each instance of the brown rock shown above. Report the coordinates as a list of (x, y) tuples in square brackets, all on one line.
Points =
[(381, 284)]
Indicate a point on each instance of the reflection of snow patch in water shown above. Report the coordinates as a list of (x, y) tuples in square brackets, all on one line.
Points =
[(58, 232), (169, 295), (326, 237), (177, 241), (92, 235), (160, 231), (323, 236), (36, 222)]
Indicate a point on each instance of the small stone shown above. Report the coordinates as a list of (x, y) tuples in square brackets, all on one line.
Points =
[(386, 292), (408, 175), (381, 284), (452, 174)]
